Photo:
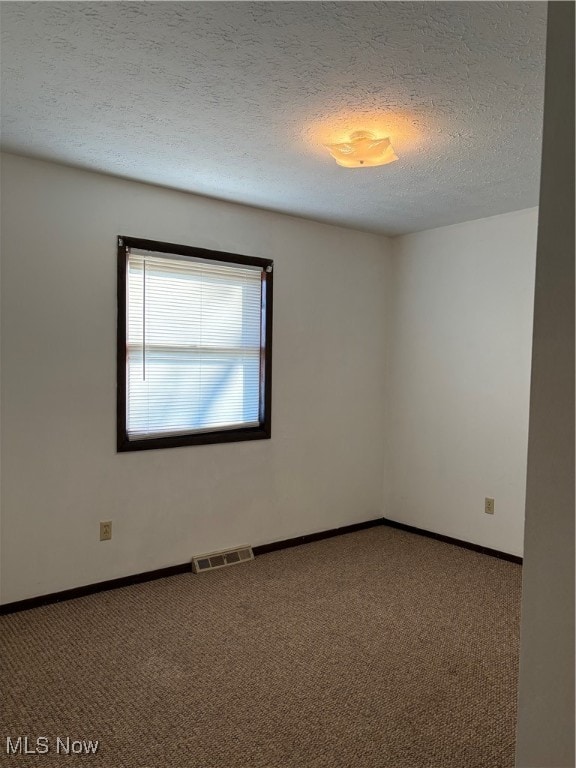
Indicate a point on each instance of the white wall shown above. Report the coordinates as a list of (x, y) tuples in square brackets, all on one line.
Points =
[(407, 360), (459, 375), (61, 473)]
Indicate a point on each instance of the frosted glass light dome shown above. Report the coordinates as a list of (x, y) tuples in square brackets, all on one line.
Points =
[(363, 150)]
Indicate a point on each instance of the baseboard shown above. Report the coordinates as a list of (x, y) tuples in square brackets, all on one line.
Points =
[(90, 589), (262, 549), (450, 540)]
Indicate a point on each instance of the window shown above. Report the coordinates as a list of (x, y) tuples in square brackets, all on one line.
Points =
[(194, 346)]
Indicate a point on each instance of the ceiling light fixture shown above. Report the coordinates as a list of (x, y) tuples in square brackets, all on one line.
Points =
[(363, 150)]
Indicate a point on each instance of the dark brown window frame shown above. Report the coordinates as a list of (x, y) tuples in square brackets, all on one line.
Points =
[(263, 430)]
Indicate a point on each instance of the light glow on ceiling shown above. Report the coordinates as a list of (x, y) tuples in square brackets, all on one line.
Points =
[(403, 128)]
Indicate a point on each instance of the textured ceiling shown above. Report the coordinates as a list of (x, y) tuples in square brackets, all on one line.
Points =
[(235, 99)]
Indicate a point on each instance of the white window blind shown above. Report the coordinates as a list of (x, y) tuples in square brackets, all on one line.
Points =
[(193, 345)]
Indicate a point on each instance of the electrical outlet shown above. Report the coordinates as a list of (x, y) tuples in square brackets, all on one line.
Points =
[(106, 530), (489, 506)]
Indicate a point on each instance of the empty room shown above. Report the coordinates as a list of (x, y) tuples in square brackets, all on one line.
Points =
[(287, 384)]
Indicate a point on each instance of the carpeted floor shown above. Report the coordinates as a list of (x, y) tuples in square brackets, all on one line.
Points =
[(377, 649)]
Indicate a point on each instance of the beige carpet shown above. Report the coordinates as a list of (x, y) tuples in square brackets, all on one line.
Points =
[(378, 649)]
